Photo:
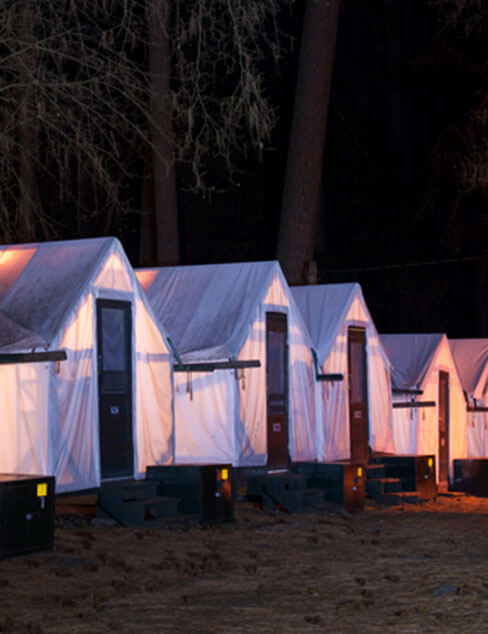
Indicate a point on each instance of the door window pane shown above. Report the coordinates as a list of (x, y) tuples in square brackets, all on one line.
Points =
[(356, 369), (276, 367), (113, 340), (115, 370)]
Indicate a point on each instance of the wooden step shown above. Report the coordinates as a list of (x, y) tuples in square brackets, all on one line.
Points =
[(401, 497), (377, 488), (140, 490), (172, 521), (375, 471), (392, 485), (313, 497), (114, 493), (135, 512), (131, 503)]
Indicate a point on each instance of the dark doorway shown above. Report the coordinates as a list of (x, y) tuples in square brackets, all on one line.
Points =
[(443, 426), (358, 394), (277, 389), (114, 328)]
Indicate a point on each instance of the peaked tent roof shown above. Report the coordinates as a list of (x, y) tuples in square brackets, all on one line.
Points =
[(411, 356), (207, 309), (40, 283), (471, 358), (324, 307)]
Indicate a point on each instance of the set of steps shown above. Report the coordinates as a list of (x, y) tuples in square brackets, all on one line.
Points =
[(288, 492), (387, 490), (136, 503)]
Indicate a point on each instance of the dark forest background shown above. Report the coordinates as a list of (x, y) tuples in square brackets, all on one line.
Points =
[(403, 205), (404, 202)]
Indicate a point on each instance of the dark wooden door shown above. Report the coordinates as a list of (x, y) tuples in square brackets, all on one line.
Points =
[(277, 389), (443, 426), (114, 329), (358, 394)]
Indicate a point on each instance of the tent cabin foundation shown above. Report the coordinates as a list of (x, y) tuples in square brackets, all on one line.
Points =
[(343, 482), (471, 476), (202, 490), (305, 487), (26, 513), (416, 474)]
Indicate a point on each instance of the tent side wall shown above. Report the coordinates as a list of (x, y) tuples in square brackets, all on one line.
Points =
[(405, 424), (73, 406), (333, 410), (477, 422), (154, 413), (205, 410), (476, 434), (251, 428), (24, 392)]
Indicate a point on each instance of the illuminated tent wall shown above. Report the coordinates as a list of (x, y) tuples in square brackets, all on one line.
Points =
[(50, 411), (471, 357), (328, 311), (416, 361), (217, 313)]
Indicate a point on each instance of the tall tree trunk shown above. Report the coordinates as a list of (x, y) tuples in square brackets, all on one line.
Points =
[(161, 128), (29, 199), (397, 42), (147, 227), (301, 194)]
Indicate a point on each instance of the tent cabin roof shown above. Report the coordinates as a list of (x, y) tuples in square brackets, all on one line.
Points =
[(471, 358), (324, 307), (207, 309), (411, 356), (41, 283)]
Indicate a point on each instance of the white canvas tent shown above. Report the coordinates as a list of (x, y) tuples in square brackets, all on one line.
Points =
[(419, 362), (471, 357), (55, 296), (330, 311), (220, 313)]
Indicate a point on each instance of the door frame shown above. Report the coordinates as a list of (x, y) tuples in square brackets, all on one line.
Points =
[(444, 477), (279, 316), (125, 301), (360, 335)]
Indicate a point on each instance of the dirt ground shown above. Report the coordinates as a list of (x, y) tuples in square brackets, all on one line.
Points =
[(417, 568)]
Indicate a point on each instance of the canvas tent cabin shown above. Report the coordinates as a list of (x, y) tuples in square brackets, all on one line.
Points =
[(471, 358), (236, 314), (428, 400), (353, 395), (105, 411)]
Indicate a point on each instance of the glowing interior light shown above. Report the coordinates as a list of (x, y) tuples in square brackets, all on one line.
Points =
[(146, 278), (12, 263), (114, 275)]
